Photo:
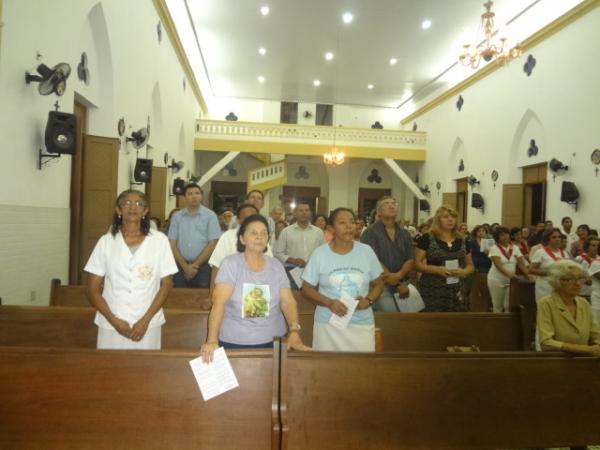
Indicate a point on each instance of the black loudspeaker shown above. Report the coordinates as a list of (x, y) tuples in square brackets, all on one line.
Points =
[(477, 201), (569, 192), (178, 185), (61, 134), (143, 170), (424, 205)]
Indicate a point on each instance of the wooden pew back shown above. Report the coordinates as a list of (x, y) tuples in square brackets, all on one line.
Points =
[(462, 401), (430, 332), (41, 326), (97, 399), (178, 298)]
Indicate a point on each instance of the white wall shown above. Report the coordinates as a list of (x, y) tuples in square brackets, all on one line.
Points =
[(557, 106), (132, 76)]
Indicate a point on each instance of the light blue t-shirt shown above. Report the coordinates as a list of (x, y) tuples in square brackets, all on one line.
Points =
[(192, 232), (334, 273)]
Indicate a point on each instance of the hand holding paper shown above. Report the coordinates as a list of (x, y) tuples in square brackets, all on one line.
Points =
[(342, 322), (216, 377)]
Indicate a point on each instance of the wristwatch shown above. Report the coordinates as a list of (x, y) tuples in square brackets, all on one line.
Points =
[(295, 327)]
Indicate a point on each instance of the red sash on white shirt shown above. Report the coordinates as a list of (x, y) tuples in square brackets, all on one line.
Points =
[(552, 255), (506, 255)]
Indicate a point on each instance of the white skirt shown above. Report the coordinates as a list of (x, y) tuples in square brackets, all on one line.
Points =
[(111, 339), (355, 338)]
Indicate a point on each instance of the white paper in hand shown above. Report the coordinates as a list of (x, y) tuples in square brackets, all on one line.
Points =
[(296, 274), (411, 304), (216, 377), (452, 264), (342, 322)]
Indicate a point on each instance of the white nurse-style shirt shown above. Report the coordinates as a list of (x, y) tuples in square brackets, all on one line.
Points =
[(509, 264), (227, 245), (542, 256), (131, 280)]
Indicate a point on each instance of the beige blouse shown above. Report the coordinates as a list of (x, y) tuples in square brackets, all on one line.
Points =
[(556, 325)]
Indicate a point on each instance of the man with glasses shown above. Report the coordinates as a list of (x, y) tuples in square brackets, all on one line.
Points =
[(193, 234), (394, 249)]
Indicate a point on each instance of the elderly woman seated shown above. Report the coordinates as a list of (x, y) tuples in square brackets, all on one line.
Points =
[(565, 321)]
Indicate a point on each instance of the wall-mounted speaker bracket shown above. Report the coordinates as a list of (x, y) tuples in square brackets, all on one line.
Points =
[(46, 156)]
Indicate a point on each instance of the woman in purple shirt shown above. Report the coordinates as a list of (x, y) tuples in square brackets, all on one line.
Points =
[(252, 299)]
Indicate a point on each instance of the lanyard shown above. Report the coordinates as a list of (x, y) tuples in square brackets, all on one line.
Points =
[(506, 255), (552, 255)]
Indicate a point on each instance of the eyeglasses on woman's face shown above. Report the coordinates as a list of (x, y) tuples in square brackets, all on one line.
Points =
[(580, 279), (132, 204)]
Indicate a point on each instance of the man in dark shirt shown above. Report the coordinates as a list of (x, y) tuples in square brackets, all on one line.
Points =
[(394, 249)]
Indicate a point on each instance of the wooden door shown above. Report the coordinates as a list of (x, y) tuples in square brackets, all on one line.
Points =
[(80, 112), (461, 206), (513, 205), (449, 199), (156, 191), (99, 192)]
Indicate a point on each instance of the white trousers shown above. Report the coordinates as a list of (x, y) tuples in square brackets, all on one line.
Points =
[(499, 291), (111, 339)]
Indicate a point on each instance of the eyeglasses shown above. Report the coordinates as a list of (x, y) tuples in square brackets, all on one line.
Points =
[(574, 280), (131, 204)]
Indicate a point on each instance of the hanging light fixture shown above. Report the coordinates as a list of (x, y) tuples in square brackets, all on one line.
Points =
[(334, 157), (487, 49)]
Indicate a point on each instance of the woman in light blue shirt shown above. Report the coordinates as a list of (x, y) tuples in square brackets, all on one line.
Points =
[(343, 267)]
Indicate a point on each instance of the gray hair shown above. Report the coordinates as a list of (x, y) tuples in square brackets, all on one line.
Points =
[(561, 269)]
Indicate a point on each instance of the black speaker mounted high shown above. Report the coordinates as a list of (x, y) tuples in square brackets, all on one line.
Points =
[(477, 201), (61, 133), (569, 193), (143, 170), (424, 206), (178, 185)]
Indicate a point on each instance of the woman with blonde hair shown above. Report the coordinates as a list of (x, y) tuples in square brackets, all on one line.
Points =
[(442, 258)]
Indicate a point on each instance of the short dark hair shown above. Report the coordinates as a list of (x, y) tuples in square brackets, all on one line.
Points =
[(247, 221), (190, 186), (585, 227), (588, 241), (317, 216), (546, 235), (255, 190), (500, 230), (565, 218), (514, 231), (333, 214), (476, 229), (244, 206)]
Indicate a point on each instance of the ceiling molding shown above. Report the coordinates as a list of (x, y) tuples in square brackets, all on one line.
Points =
[(169, 26), (549, 30), (288, 148)]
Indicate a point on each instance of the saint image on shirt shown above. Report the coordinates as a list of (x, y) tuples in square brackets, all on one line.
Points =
[(255, 300)]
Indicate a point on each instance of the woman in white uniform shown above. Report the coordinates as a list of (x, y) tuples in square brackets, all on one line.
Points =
[(543, 259), (129, 278), (505, 258)]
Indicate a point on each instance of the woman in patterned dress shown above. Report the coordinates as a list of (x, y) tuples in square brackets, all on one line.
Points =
[(442, 258)]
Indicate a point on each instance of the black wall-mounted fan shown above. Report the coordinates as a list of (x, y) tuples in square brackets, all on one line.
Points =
[(139, 138), (50, 80), (176, 165)]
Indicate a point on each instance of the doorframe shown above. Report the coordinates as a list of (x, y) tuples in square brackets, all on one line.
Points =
[(75, 201)]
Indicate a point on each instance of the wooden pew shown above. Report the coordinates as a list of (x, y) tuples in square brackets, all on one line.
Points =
[(433, 401), (94, 399), (178, 298), (73, 327), (522, 298), (430, 332), (63, 326)]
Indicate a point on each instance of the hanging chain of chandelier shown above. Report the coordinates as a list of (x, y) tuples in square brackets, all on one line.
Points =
[(488, 49)]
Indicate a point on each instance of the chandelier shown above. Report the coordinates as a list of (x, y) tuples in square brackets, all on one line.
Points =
[(488, 49), (334, 158)]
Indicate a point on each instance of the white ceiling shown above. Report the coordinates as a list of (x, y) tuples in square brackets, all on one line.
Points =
[(297, 33)]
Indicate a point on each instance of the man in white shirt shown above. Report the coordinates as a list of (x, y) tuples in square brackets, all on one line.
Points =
[(297, 242), (567, 227)]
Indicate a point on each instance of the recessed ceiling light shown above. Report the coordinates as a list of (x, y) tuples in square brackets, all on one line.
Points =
[(393, 61), (347, 17), (426, 24), (261, 79), (370, 86), (328, 56), (264, 10), (262, 51), (317, 83)]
